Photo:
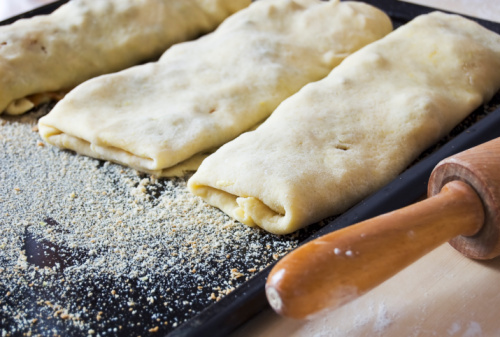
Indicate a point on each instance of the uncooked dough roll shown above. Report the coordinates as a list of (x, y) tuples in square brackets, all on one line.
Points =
[(344, 137), (86, 38), (204, 93)]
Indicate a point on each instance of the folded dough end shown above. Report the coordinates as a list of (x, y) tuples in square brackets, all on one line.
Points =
[(62, 140), (19, 106), (250, 211), (254, 212)]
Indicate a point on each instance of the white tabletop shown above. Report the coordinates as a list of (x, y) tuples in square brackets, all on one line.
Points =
[(9, 8)]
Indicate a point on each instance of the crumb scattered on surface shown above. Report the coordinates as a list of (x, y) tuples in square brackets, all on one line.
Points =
[(91, 247)]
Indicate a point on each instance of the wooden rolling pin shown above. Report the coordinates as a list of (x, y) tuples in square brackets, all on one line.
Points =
[(462, 208)]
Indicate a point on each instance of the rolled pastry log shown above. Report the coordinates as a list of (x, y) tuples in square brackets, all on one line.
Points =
[(204, 93), (86, 38), (344, 137)]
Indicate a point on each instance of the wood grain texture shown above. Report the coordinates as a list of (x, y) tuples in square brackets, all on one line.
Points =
[(478, 167)]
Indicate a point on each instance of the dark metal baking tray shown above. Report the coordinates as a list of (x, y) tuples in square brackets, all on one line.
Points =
[(248, 299)]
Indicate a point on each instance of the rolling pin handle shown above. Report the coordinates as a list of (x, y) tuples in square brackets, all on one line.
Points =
[(341, 266)]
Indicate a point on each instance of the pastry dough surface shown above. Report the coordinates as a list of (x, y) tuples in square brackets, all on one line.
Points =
[(344, 137), (86, 38), (203, 93)]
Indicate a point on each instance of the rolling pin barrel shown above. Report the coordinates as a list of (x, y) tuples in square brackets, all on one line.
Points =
[(479, 167), (462, 208)]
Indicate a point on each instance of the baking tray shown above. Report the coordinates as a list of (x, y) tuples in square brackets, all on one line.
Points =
[(248, 297)]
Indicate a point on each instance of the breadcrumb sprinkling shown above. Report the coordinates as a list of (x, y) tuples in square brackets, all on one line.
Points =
[(83, 237)]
